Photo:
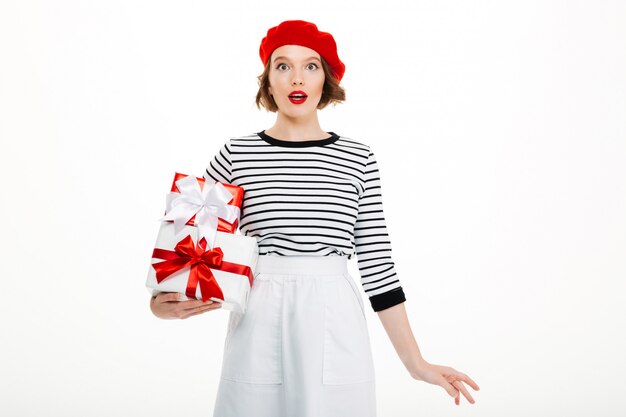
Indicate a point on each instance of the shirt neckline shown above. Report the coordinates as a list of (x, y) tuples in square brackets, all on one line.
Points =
[(298, 144)]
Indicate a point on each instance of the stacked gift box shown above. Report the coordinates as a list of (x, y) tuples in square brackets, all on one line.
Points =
[(197, 252)]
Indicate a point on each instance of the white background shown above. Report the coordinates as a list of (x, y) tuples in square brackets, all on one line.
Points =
[(499, 129)]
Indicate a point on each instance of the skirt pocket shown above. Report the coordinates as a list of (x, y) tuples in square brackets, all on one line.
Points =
[(252, 349), (347, 351)]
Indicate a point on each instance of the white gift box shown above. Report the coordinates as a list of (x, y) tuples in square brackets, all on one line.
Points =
[(237, 249)]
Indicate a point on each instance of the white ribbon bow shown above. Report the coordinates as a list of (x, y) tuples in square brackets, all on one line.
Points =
[(207, 205)]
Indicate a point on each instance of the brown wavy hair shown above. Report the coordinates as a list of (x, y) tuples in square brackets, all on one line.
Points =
[(332, 92)]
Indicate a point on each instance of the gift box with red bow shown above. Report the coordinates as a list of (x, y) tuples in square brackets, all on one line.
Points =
[(184, 262), (210, 205)]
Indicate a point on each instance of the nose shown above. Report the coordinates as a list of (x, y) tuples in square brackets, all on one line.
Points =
[(296, 78)]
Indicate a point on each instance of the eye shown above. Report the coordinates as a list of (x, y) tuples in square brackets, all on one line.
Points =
[(314, 65), (280, 65)]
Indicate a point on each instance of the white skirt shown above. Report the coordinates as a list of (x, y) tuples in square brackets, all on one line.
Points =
[(302, 348)]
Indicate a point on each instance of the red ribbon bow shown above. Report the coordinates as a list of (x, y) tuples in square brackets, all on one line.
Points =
[(201, 261)]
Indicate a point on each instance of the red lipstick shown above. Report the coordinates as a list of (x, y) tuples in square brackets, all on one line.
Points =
[(297, 97)]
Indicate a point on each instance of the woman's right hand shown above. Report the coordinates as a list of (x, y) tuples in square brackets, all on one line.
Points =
[(166, 306)]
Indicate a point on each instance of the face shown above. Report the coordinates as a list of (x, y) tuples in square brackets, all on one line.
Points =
[(296, 68)]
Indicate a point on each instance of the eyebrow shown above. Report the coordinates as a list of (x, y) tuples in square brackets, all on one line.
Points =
[(284, 57)]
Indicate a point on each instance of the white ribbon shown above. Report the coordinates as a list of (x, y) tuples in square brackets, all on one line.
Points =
[(207, 205)]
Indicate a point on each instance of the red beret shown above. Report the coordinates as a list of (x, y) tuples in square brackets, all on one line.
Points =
[(299, 32)]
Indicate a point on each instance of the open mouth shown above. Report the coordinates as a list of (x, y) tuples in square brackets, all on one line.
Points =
[(297, 97)]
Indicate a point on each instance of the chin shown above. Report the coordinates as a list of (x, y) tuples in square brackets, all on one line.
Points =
[(294, 113)]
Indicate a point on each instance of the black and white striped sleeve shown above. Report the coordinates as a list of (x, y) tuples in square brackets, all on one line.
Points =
[(220, 167), (373, 246)]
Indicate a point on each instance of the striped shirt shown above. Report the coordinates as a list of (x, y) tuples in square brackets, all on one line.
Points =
[(313, 198)]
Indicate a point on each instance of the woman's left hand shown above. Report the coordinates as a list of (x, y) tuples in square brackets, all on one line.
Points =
[(448, 378)]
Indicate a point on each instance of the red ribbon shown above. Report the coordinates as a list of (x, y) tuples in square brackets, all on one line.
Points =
[(201, 261)]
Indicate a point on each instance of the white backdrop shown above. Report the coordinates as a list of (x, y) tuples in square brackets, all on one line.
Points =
[(501, 123)]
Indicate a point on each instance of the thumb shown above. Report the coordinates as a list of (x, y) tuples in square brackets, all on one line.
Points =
[(170, 296)]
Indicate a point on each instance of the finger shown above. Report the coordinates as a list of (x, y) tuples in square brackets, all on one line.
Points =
[(456, 375), (167, 296), (460, 376), (457, 399), (459, 385), (185, 312), (201, 310), (191, 304), (450, 389), (469, 381), (190, 313), (214, 306)]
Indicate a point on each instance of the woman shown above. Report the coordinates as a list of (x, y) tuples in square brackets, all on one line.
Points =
[(302, 348)]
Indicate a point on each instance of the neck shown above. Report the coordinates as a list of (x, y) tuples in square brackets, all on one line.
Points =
[(302, 128)]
